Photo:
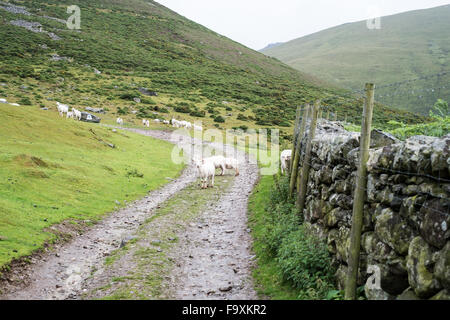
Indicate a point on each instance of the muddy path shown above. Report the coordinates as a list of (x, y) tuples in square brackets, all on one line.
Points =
[(210, 259)]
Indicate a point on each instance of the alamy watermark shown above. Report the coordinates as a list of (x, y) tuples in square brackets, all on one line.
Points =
[(374, 281), (74, 21), (374, 21)]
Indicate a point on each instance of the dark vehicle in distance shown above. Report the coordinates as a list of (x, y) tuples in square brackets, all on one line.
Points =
[(87, 117)]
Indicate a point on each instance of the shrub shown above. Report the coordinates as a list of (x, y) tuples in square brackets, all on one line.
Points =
[(196, 113), (123, 111), (182, 109), (25, 101), (242, 117), (219, 119)]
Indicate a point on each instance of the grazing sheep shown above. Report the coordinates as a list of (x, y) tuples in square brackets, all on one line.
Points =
[(3, 101), (147, 123), (119, 121), (15, 104), (76, 114), (206, 171), (218, 162), (157, 120), (232, 164), (70, 114), (144, 122), (166, 122), (62, 108), (286, 158), (176, 123)]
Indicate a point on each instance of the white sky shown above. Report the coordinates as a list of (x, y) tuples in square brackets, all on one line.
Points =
[(256, 23)]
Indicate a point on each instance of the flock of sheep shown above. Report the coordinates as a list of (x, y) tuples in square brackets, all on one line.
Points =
[(206, 167), (64, 109)]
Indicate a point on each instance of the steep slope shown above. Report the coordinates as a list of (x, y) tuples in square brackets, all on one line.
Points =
[(126, 45), (408, 45)]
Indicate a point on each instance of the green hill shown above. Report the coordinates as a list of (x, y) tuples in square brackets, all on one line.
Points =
[(408, 45), (127, 45)]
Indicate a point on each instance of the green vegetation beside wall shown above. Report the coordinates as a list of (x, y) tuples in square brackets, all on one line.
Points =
[(291, 262)]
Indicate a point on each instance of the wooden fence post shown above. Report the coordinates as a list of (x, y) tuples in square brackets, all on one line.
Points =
[(306, 162), (296, 155), (296, 128), (360, 196)]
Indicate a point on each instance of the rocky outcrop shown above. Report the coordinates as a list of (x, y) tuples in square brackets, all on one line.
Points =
[(406, 231)]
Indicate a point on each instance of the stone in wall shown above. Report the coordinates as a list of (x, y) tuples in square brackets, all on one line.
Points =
[(420, 269)]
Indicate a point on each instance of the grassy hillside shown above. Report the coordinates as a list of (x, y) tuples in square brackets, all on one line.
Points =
[(408, 45), (50, 172), (136, 44)]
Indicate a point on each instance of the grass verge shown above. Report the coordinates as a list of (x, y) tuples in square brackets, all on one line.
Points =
[(54, 169)]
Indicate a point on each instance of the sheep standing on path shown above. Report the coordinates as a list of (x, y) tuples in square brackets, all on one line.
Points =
[(232, 164), (286, 158), (218, 162), (207, 171)]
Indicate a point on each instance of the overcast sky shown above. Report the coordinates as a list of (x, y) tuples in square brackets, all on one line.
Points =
[(256, 23)]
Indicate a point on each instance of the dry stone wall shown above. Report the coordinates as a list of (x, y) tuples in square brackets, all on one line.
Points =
[(406, 231)]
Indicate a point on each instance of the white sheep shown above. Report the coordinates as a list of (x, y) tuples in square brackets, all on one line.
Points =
[(206, 171), (3, 101), (176, 123), (77, 114), (198, 128), (147, 123), (286, 158), (15, 104), (157, 120), (119, 121), (218, 162), (232, 164), (62, 108), (166, 122), (144, 122), (70, 114), (188, 125)]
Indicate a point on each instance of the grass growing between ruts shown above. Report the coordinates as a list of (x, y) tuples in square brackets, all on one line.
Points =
[(54, 169), (151, 260)]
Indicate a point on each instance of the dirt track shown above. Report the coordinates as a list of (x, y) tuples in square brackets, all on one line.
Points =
[(212, 259)]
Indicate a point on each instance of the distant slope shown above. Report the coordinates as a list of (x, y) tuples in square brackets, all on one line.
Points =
[(409, 45), (136, 43), (272, 45)]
